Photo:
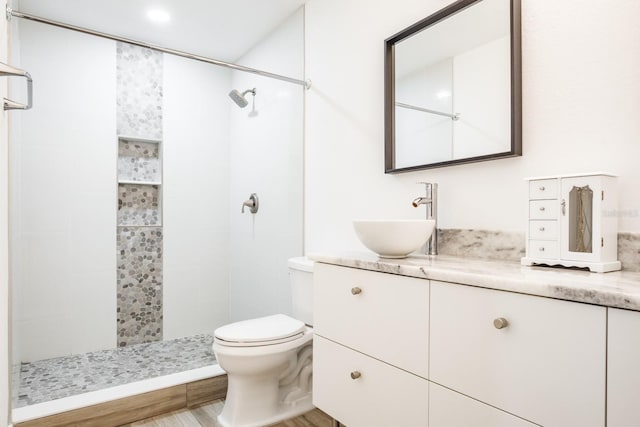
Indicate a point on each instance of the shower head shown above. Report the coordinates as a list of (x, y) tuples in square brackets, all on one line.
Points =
[(239, 98)]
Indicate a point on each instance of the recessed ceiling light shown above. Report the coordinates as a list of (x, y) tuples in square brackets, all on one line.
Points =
[(157, 15)]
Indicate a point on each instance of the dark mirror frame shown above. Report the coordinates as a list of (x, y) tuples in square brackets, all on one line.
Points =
[(389, 87)]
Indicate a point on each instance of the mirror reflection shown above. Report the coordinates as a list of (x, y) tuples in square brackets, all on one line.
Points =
[(452, 88)]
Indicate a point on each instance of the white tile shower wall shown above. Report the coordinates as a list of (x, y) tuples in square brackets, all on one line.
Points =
[(266, 158), (581, 95), (195, 197), (64, 268), (4, 236)]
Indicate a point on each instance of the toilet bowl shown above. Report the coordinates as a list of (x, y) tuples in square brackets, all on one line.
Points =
[(268, 360)]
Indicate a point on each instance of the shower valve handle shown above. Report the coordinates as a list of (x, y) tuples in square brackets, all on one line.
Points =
[(252, 203)]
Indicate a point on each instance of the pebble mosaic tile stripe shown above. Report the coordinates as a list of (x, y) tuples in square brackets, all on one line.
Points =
[(139, 236), (139, 295), (139, 91), (66, 376)]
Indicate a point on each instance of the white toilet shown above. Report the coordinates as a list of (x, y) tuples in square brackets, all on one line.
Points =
[(268, 359)]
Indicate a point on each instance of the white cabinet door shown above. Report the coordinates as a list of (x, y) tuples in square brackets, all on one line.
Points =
[(382, 315), (623, 372), (547, 365), (450, 409), (382, 396)]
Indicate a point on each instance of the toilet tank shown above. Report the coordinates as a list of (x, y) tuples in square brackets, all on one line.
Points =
[(301, 280)]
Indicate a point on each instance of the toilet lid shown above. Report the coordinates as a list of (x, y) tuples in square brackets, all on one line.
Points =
[(264, 330)]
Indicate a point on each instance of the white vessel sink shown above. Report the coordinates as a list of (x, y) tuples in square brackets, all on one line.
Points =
[(394, 238)]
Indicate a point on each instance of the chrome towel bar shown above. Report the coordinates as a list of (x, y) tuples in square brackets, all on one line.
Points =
[(8, 70)]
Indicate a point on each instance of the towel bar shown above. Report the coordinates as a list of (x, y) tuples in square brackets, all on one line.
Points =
[(8, 70)]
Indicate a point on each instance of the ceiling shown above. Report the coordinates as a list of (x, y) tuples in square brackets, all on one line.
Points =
[(220, 29)]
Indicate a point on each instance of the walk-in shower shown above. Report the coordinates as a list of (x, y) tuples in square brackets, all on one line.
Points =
[(142, 222), (239, 98)]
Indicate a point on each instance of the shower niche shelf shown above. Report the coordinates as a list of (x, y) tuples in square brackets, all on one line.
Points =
[(139, 182), (138, 139), (134, 182)]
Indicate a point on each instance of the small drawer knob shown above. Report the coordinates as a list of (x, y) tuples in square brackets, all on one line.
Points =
[(541, 229), (500, 323), (542, 188), (355, 375), (541, 248), (542, 208), (356, 290)]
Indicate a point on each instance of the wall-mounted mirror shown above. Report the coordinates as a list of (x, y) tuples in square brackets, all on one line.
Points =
[(453, 87)]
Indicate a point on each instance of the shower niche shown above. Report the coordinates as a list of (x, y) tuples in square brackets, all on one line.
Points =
[(139, 182), (573, 222)]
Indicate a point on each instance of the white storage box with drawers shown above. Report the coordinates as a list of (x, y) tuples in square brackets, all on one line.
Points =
[(573, 222)]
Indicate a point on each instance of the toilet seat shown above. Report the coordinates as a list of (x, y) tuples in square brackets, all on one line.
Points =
[(269, 330)]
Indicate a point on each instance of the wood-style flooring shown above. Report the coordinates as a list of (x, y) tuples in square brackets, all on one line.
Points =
[(205, 416)]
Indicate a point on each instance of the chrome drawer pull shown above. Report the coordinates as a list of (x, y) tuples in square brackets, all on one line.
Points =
[(356, 291), (542, 188), (355, 375), (500, 323), (541, 228), (541, 248), (542, 208)]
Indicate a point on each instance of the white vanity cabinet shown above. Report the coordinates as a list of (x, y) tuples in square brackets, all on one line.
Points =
[(371, 337), (382, 315), (623, 373), (361, 391), (450, 409), (541, 359)]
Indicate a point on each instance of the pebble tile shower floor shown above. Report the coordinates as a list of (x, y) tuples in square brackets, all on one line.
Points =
[(60, 377)]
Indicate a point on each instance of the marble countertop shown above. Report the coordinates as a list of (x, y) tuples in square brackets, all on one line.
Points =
[(620, 289)]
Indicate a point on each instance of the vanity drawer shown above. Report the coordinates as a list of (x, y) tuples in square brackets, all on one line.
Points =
[(543, 230), (543, 209), (547, 249), (543, 189), (547, 365), (383, 315), (450, 409), (381, 396)]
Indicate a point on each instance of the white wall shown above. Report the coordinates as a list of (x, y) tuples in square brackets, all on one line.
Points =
[(266, 158), (581, 100), (5, 321), (195, 197), (64, 209)]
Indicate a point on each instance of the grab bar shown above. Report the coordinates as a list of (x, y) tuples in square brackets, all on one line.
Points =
[(8, 70)]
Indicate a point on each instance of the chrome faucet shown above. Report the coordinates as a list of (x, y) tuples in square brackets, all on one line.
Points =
[(431, 203)]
